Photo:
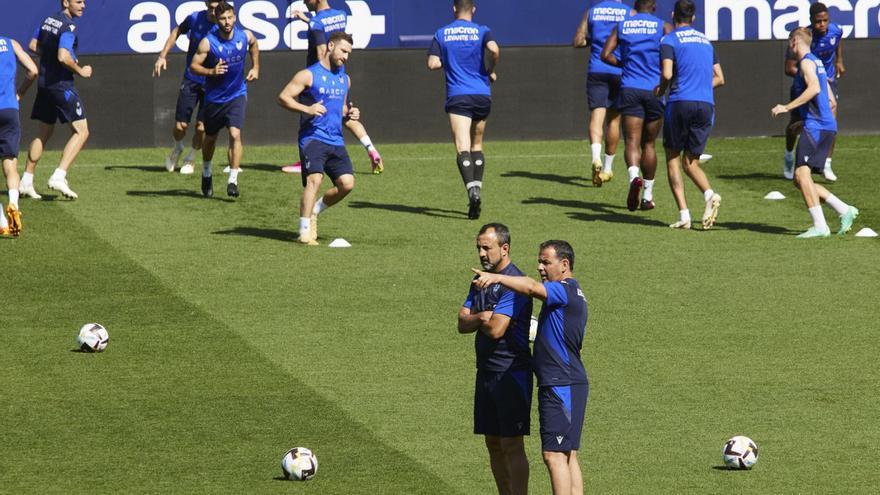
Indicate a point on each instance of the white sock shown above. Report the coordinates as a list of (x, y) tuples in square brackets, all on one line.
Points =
[(633, 172), (827, 163), (27, 179), (648, 194), (596, 150), (59, 174), (13, 197), (233, 175), (707, 195), (178, 146), (319, 206), (368, 144), (206, 168), (789, 155), (190, 156), (833, 201), (609, 161), (818, 218), (3, 223), (684, 215), (304, 224)]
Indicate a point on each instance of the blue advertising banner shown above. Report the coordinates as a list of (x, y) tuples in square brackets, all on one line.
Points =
[(138, 26)]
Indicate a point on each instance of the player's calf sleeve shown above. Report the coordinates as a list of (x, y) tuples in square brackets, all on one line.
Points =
[(479, 166), (465, 167)]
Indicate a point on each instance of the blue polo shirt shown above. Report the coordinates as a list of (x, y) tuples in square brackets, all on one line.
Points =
[(601, 20), (321, 26), (56, 31), (639, 40), (824, 46), (561, 326), (8, 68), (694, 60), (461, 46), (196, 26)]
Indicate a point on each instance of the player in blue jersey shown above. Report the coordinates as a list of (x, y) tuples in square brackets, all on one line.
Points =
[(828, 46), (12, 54), (459, 48), (562, 381), (603, 84), (690, 72), (57, 99), (796, 119), (500, 318), (639, 40), (816, 139), (192, 88), (322, 24), (221, 59), (319, 94)]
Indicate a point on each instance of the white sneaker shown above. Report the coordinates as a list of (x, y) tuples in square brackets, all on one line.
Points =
[(788, 168), (28, 191), (711, 213), (226, 170), (829, 174), (681, 224), (171, 160), (61, 186), (187, 169)]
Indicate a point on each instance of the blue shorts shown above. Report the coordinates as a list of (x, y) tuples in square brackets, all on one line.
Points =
[(192, 95), (318, 157), (10, 133), (475, 107), (561, 410), (602, 90), (834, 88), (57, 105), (220, 115), (813, 148), (503, 403), (687, 126), (640, 103)]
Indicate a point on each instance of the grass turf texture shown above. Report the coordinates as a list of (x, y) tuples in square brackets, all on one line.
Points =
[(230, 343)]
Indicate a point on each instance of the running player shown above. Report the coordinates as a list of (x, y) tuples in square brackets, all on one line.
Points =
[(221, 59), (319, 93), (10, 126), (828, 46), (459, 49), (57, 99), (603, 84), (639, 40), (192, 89), (816, 139), (690, 72), (796, 119)]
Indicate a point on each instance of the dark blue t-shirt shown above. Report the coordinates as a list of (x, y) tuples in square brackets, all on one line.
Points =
[(818, 115), (694, 60), (602, 19), (330, 87), (461, 46), (196, 26), (639, 40), (321, 26), (56, 31), (8, 67), (561, 327), (510, 352), (229, 86), (824, 46)]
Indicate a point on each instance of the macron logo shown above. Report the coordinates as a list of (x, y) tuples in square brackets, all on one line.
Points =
[(559, 440)]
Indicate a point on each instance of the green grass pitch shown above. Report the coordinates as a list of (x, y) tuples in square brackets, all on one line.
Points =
[(230, 343)]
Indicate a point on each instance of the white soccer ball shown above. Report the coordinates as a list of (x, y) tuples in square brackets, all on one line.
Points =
[(92, 337), (299, 464), (533, 329), (740, 453)]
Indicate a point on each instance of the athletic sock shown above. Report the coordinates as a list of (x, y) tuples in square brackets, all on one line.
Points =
[(596, 149), (58, 174), (827, 163), (833, 201), (319, 206), (27, 179), (233, 175), (304, 224), (178, 146), (13, 197), (479, 166), (368, 143), (789, 155), (648, 194), (206, 168), (633, 172), (609, 161), (684, 215), (465, 167), (707, 195), (191, 154), (818, 218)]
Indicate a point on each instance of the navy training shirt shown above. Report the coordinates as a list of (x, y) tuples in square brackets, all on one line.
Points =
[(561, 327), (602, 19), (824, 46), (196, 26), (639, 40), (8, 67), (511, 351), (461, 47), (321, 26), (694, 60), (56, 31)]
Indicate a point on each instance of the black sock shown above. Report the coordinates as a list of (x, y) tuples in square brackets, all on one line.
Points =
[(479, 165), (465, 167)]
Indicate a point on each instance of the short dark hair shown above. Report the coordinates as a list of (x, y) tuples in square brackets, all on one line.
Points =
[(337, 36), (684, 11), (563, 250), (817, 8), (641, 5), (463, 5), (221, 8), (502, 233)]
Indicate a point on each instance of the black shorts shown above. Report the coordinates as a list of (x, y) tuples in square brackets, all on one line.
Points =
[(192, 95), (602, 90), (476, 107), (687, 126), (57, 105), (640, 103), (813, 148), (229, 114), (503, 403), (10, 133), (561, 410), (318, 157)]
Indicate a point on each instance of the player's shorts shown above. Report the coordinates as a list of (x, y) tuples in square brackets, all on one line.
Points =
[(687, 126), (318, 157), (602, 90), (10, 133), (561, 410), (475, 107), (220, 115), (57, 105), (834, 88), (640, 103), (503, 403), (813, 148), (192, 95)]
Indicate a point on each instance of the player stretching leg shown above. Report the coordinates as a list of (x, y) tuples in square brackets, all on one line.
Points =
[(603, 85), (816, 139), (458, 48), (192, 89)]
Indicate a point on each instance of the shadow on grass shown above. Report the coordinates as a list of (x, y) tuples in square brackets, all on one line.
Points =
[(754, 176), (274, 234), (601, 212), (142, 168), (569, 180), (417, 210), (760, 228), (180, 193)]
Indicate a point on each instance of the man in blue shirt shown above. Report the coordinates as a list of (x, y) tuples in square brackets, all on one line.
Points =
[(827, 45), (11, 53), (816, 139), (562, 381), (690, 72), (57, 99), (220, 58), (603, 84), (319, 93), (638, 37), (192, 89), (503, 391), (458, 48)]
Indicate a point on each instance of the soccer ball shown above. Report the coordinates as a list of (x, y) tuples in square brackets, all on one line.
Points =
[(92, 338), (299, 464), (740, 453)]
